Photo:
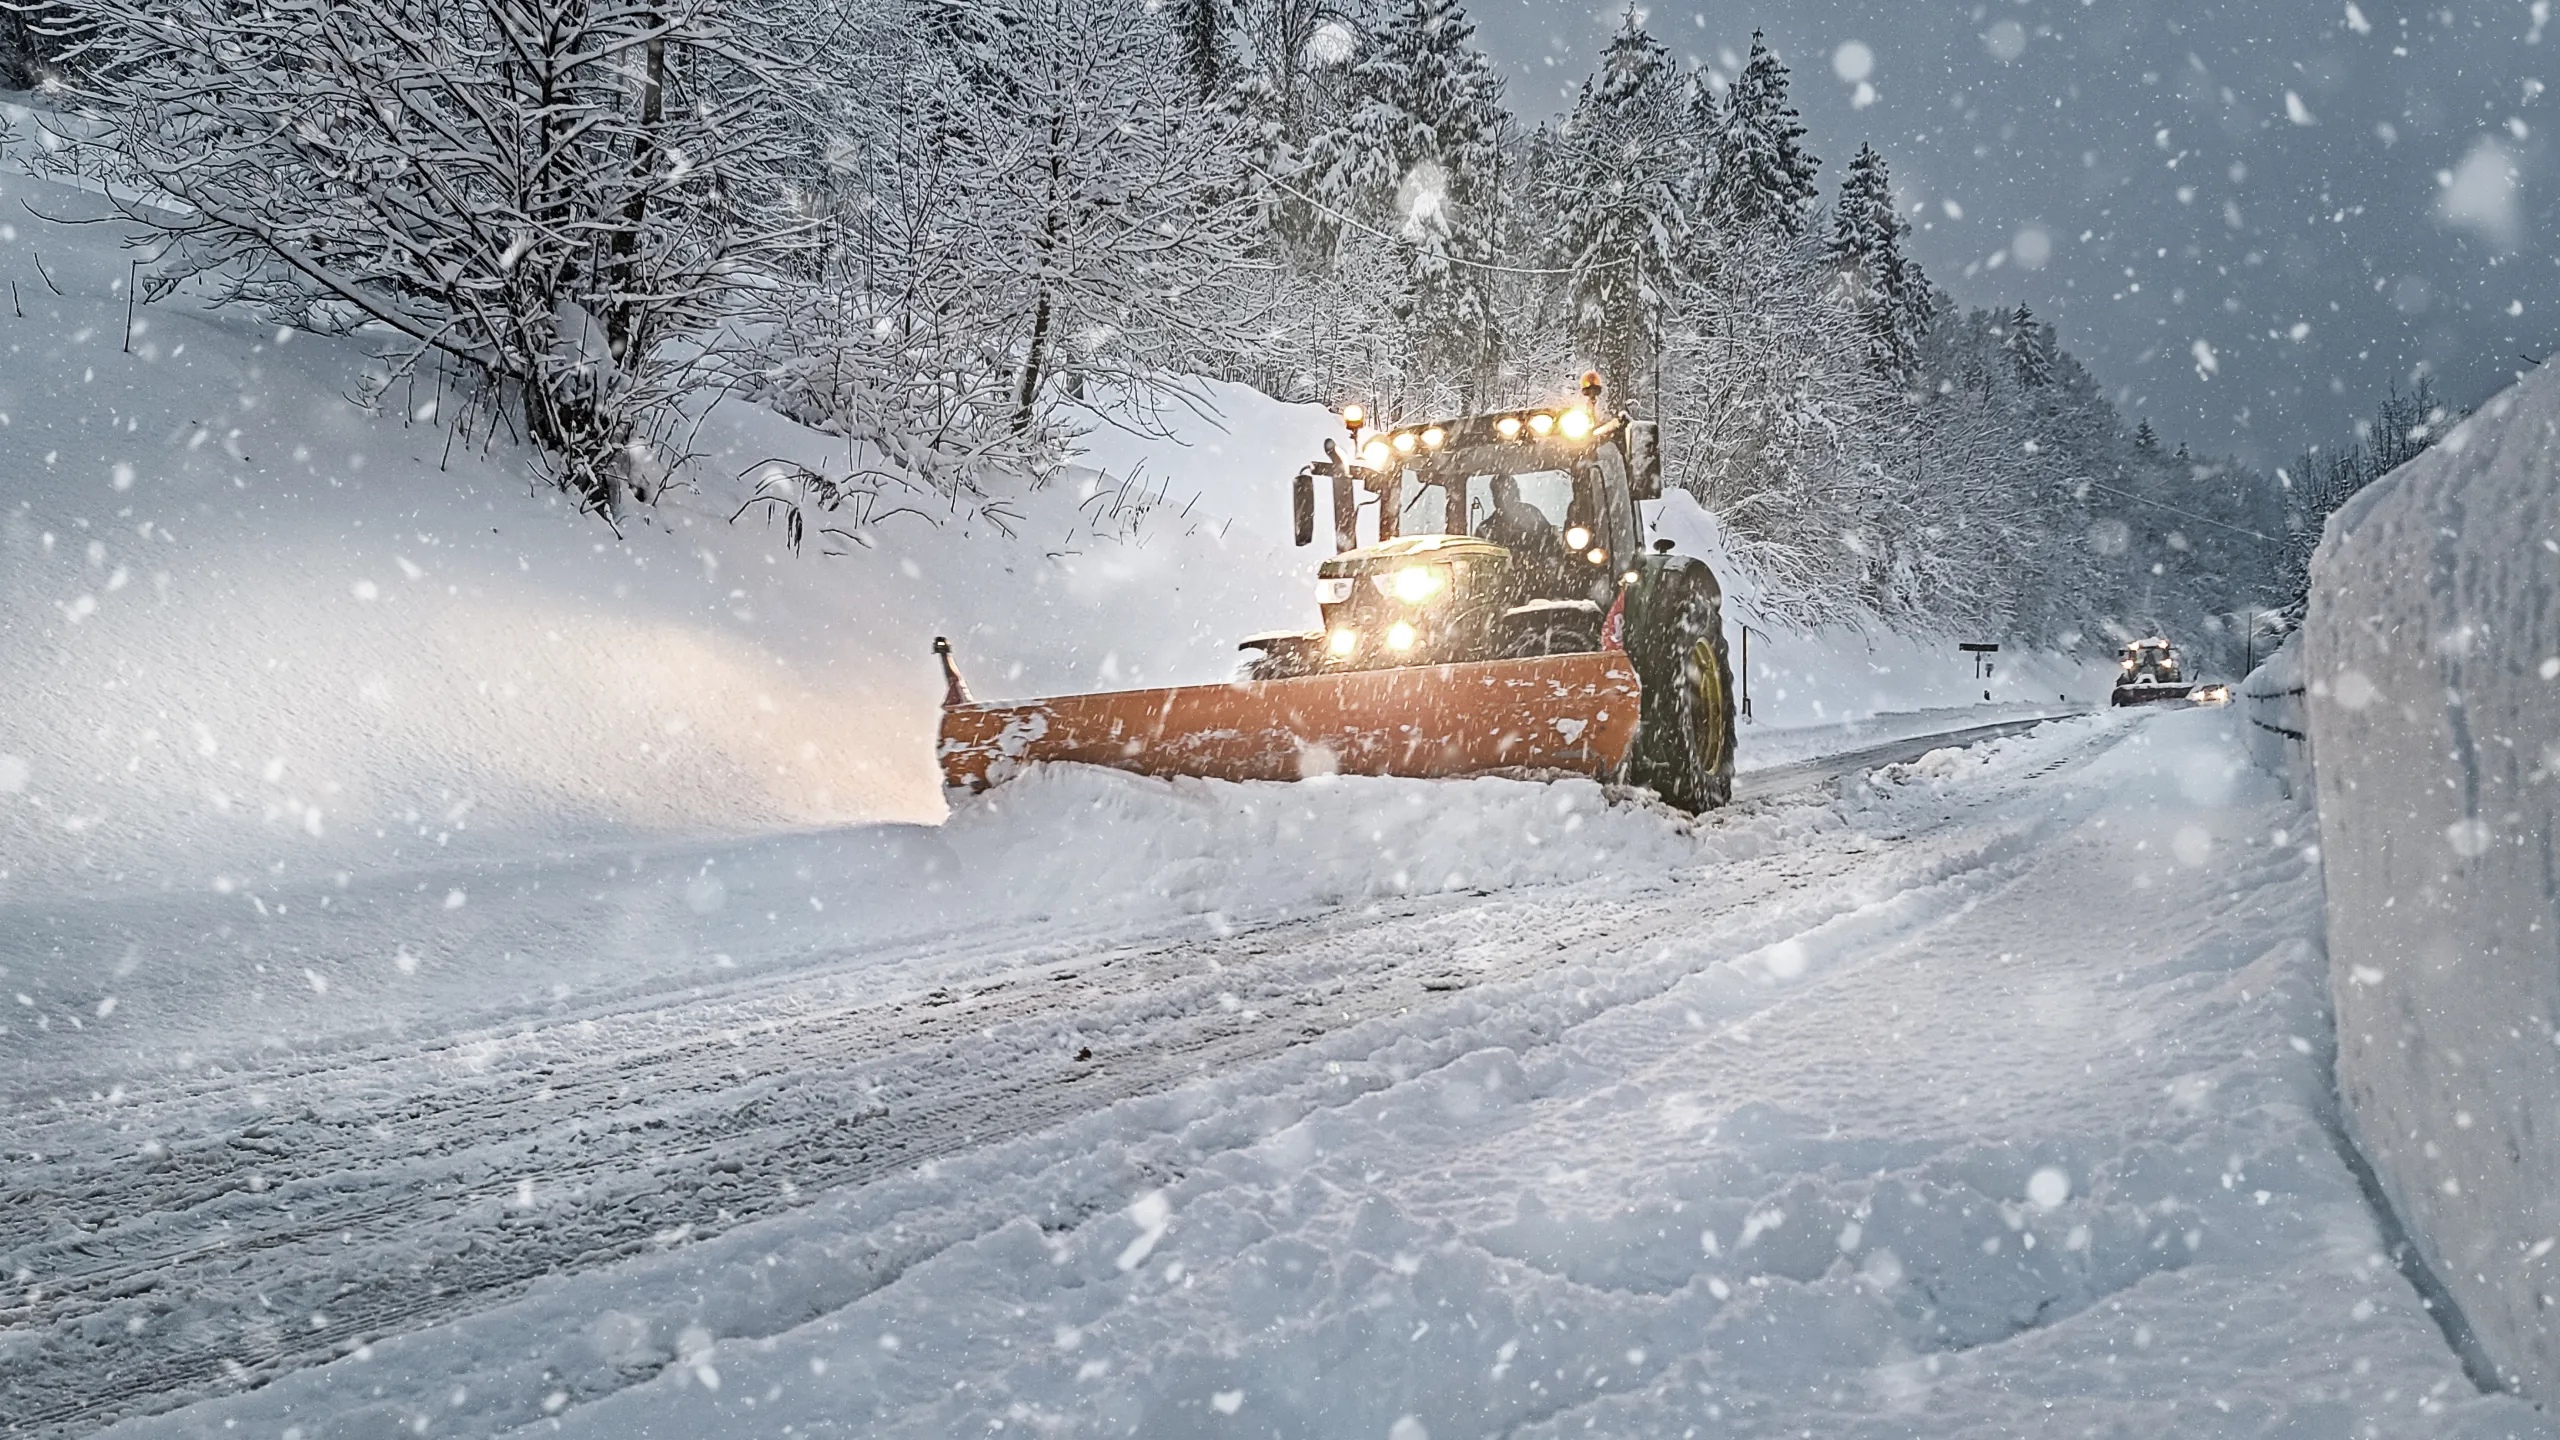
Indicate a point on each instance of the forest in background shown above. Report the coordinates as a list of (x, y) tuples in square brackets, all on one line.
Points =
[(959, 232)]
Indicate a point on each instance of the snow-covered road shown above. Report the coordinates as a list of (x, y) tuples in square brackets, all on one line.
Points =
[(1985, 1094)]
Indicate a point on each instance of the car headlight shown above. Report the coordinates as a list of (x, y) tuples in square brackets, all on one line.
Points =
[(1577, 538), (1345, 641), (1400, 636), (1414, 583), (1334, 589)]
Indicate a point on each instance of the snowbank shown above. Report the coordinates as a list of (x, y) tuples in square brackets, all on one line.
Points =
[(2433, 662), (150, 981)]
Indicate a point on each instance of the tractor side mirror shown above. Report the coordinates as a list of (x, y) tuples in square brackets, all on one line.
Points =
[(1302, 506)]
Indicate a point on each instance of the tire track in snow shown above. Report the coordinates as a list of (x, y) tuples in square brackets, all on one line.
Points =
[(284, 1242)]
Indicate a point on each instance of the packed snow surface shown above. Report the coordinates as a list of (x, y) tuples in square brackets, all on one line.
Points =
[(1985, 1094), (2433, 667)]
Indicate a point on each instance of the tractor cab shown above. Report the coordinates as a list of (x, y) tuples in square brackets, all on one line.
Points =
[(2149, 671), (2150, 662), (1491, 536)]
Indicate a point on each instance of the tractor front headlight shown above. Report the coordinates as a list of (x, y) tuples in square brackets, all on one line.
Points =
[(1574, 423), (1376, 454), (1597, 556), (1577, 538), (1414, 584), (1400, 637), (1541, 424), (1344, 643)]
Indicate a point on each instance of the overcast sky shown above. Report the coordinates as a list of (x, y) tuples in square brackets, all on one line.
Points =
[(2249, 219)]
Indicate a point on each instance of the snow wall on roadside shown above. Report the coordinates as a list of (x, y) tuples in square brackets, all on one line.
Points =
[(2432, 662)]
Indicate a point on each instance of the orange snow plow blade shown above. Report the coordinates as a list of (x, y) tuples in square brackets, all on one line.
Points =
[(1556, 713)]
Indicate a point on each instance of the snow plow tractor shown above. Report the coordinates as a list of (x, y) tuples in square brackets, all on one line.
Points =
[(2150, 672), (1505, 616)]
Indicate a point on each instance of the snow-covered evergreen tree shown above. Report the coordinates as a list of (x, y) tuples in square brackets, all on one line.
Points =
[(1289, 86), (2030, 349), (1206, 29), (1884, 287), (1616, 184), (1763, 178), (1416, 165)]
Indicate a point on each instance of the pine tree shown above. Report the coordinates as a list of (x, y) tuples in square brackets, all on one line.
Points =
[(1866, 249), (2146, 441), (1703, 124), (1764, 177), (1617, 186), (2030, 349), (1429, 128), (1290, 86)]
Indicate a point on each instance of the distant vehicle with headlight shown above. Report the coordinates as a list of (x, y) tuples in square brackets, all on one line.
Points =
[(1506, 616), (2150, 672)]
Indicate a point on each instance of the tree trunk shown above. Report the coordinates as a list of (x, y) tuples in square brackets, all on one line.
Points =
[(622, 316), (1034, 357)]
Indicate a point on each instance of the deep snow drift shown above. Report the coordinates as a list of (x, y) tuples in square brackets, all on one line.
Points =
[(2433, 666)]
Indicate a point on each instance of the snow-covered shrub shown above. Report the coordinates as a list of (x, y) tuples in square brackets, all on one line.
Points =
[(551, 193)]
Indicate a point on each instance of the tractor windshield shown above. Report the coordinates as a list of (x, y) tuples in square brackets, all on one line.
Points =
[(1548, 492)]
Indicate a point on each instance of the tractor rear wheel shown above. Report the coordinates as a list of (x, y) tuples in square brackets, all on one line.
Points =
[(1675, 637)]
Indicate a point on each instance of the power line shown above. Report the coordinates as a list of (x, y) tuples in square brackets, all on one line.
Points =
[(2190, 514), (1366, 229)]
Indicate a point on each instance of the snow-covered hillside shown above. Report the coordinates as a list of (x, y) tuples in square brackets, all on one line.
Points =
[(250, 630), (253, 633)]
